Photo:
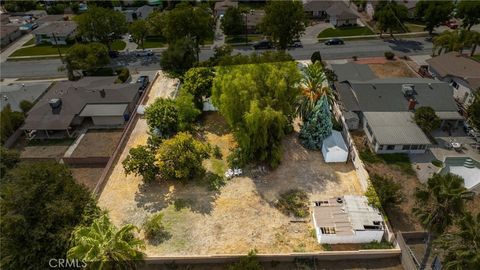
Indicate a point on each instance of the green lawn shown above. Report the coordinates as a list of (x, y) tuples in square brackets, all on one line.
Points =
[(154, 42), (345, 32), (415, 27), (477, 56), (241, 38), (118, 45), (30, 42), (44, 49)]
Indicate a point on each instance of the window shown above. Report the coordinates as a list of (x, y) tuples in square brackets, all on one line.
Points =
[(455, 84), (380, 147), (390, 147), (327, 230), (406, 147), (414, 147)]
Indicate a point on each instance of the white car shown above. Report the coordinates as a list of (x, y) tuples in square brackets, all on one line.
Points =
[(144, 53)]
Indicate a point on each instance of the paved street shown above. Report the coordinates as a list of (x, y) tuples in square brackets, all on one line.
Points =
[(360, 48)]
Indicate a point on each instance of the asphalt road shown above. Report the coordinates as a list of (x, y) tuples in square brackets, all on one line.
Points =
[(360, 48)]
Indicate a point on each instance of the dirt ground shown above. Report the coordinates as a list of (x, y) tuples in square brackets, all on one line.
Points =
[(87, 176), (53, 149), (401, 217), (239, 216), (98, 143), (392, 69)]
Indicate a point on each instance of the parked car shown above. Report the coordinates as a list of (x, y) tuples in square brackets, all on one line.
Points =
[(263, 44), (113, 54), (295, 44), (130, 38), (144, 80), (452, 24), (144, 53), (334, 41)]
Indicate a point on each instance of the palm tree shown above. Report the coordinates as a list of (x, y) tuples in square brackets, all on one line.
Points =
[(312, 89), (452, 41), (461, 249), (473, 41), (102, 246), (438, 203)]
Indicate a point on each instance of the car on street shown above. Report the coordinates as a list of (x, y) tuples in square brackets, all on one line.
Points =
[(144, 80), (452, 24), (262, 44), (144, 53), (295, 44), (334, 41), (113, 54)]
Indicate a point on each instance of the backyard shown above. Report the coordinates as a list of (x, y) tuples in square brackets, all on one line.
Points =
[(345, 32)]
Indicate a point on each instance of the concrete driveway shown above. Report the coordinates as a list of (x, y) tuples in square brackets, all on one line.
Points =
[(311, 32), (14, 46)]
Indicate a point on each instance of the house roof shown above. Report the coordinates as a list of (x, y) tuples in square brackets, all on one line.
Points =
[(14, 93), (353, 72), (144, 11), (352, 214), (340, 11), (60, 28), (104, 109), (50, 18), (386, 95), (74, 97), (6, 30), (224, 5), (316, 5), (255, 17), (335, 142), (395, 128), (457, 65)]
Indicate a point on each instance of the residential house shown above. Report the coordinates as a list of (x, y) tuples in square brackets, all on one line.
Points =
[(341, 15), (222, 6), (461, 71), (347, 219), (253, 19), (409, 4), (51, 18), (9, 33), (384, 108), (37, 14), (317, 8), (140, 13), (55, 33), (93, 101), (14, 93)]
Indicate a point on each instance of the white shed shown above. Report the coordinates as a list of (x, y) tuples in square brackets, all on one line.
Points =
[(334, 148)]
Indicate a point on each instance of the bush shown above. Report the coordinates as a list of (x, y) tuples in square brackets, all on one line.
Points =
[(369, 157), (377, 245), (10, 121), (316, 56), (123, 75), (336, 124), (388, 191), (214, 181), (372, 197), (437, 163), (217, 152), (25, 106), (389, 55), (294, 202), (153, 227), (106, 71)]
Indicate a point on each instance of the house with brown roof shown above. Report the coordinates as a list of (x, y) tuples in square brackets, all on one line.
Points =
[(317, 8), (222, 6), (56, 32), (338, 13), (69, 105), (460, 71)]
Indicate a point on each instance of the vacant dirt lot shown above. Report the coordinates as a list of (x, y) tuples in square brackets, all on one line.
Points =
[(87, 176), (98, 143), (391, 69)]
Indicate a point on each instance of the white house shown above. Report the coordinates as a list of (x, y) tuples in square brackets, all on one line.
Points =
[(347, 219), (334, 148)]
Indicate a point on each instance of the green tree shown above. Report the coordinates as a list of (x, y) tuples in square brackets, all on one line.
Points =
[(102, 245), (426, 119), (41, 205), (473, 41), (10, 158), (389, 16), (187, 111), (316, 56), (438, 203), (86, 57), (25, 106), (232, 22), (101, 24), (19, 6), (10, 121), (469, 12), (452, 41), (198, 82), (461, 248), (154, 228), (318, 126), (433, 12), (257, 101), (180, 158), (284, 21), (179, 57), (249, 262), (155, 23), (139, 30), (141, 161), (389, 192), (162, 117), (474, 111)]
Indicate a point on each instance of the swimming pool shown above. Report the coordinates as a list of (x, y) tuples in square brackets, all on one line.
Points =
[(467, 168)]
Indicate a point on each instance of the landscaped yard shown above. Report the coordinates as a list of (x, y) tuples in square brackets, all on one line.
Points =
[(241, 38), (154, 42), (30, 42), (43, 49), (392, 69), (118, 45), (345, 32), (477, 56), (412, 27)]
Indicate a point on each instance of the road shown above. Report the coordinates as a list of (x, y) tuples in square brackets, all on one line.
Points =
[(360, 48)]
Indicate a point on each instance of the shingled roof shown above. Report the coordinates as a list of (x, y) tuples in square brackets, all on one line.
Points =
[(457, 65)]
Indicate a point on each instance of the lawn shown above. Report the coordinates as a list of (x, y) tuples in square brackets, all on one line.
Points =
[(412, 27), (118, 45), (477, 56), (154, 42), (241, 38), (345, 32), (30, 42), (43, 49)]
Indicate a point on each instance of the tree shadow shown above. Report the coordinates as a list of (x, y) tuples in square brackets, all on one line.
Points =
[(160, 238), (405, 46)]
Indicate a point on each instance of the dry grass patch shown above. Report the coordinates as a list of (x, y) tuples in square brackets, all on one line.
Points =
[(392, 69)]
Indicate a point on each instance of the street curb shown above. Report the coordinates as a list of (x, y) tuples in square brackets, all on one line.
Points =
[(415, 34)]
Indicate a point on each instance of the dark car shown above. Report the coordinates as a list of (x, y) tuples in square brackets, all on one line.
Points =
[(263, 44), (113, 54), (334, 41), (144, 81)]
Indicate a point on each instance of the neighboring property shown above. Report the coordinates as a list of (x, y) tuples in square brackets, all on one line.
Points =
[(384, 108), (140, 13), (9, 33), (334, 148), (37, 14), (409, 4), (341, 15), (461, 71), (55, 33), (254, 18), (317, 9), (14, 93), (51, 18), (222, 6), (92, 101), (347, 219)]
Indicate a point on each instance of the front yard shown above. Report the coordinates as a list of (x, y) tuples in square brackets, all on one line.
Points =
[(345, 32), (48, 49), (241, 38)]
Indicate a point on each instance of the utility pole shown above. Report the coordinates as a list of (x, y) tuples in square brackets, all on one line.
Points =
[(58, 48)]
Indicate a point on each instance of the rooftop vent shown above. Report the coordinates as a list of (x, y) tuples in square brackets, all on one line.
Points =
[(339, 200), (55, 104), (408, 90)]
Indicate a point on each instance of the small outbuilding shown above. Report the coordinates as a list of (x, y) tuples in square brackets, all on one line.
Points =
[(334, 148)]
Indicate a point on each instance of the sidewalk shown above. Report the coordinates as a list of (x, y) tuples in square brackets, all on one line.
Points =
[(4, 55), (385, 35)]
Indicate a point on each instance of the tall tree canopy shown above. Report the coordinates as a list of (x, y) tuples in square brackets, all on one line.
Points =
[(257, 101), (318, 126), (426, 119), (162, 117), (469, 12), (101, 243), (198, 82), (141, 161), (284, 21), (40, 206), (233, 22), (86, 57), (389, 16), (139, 30), (433, 12), (180, 56), (474, 111), (101, 24)]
